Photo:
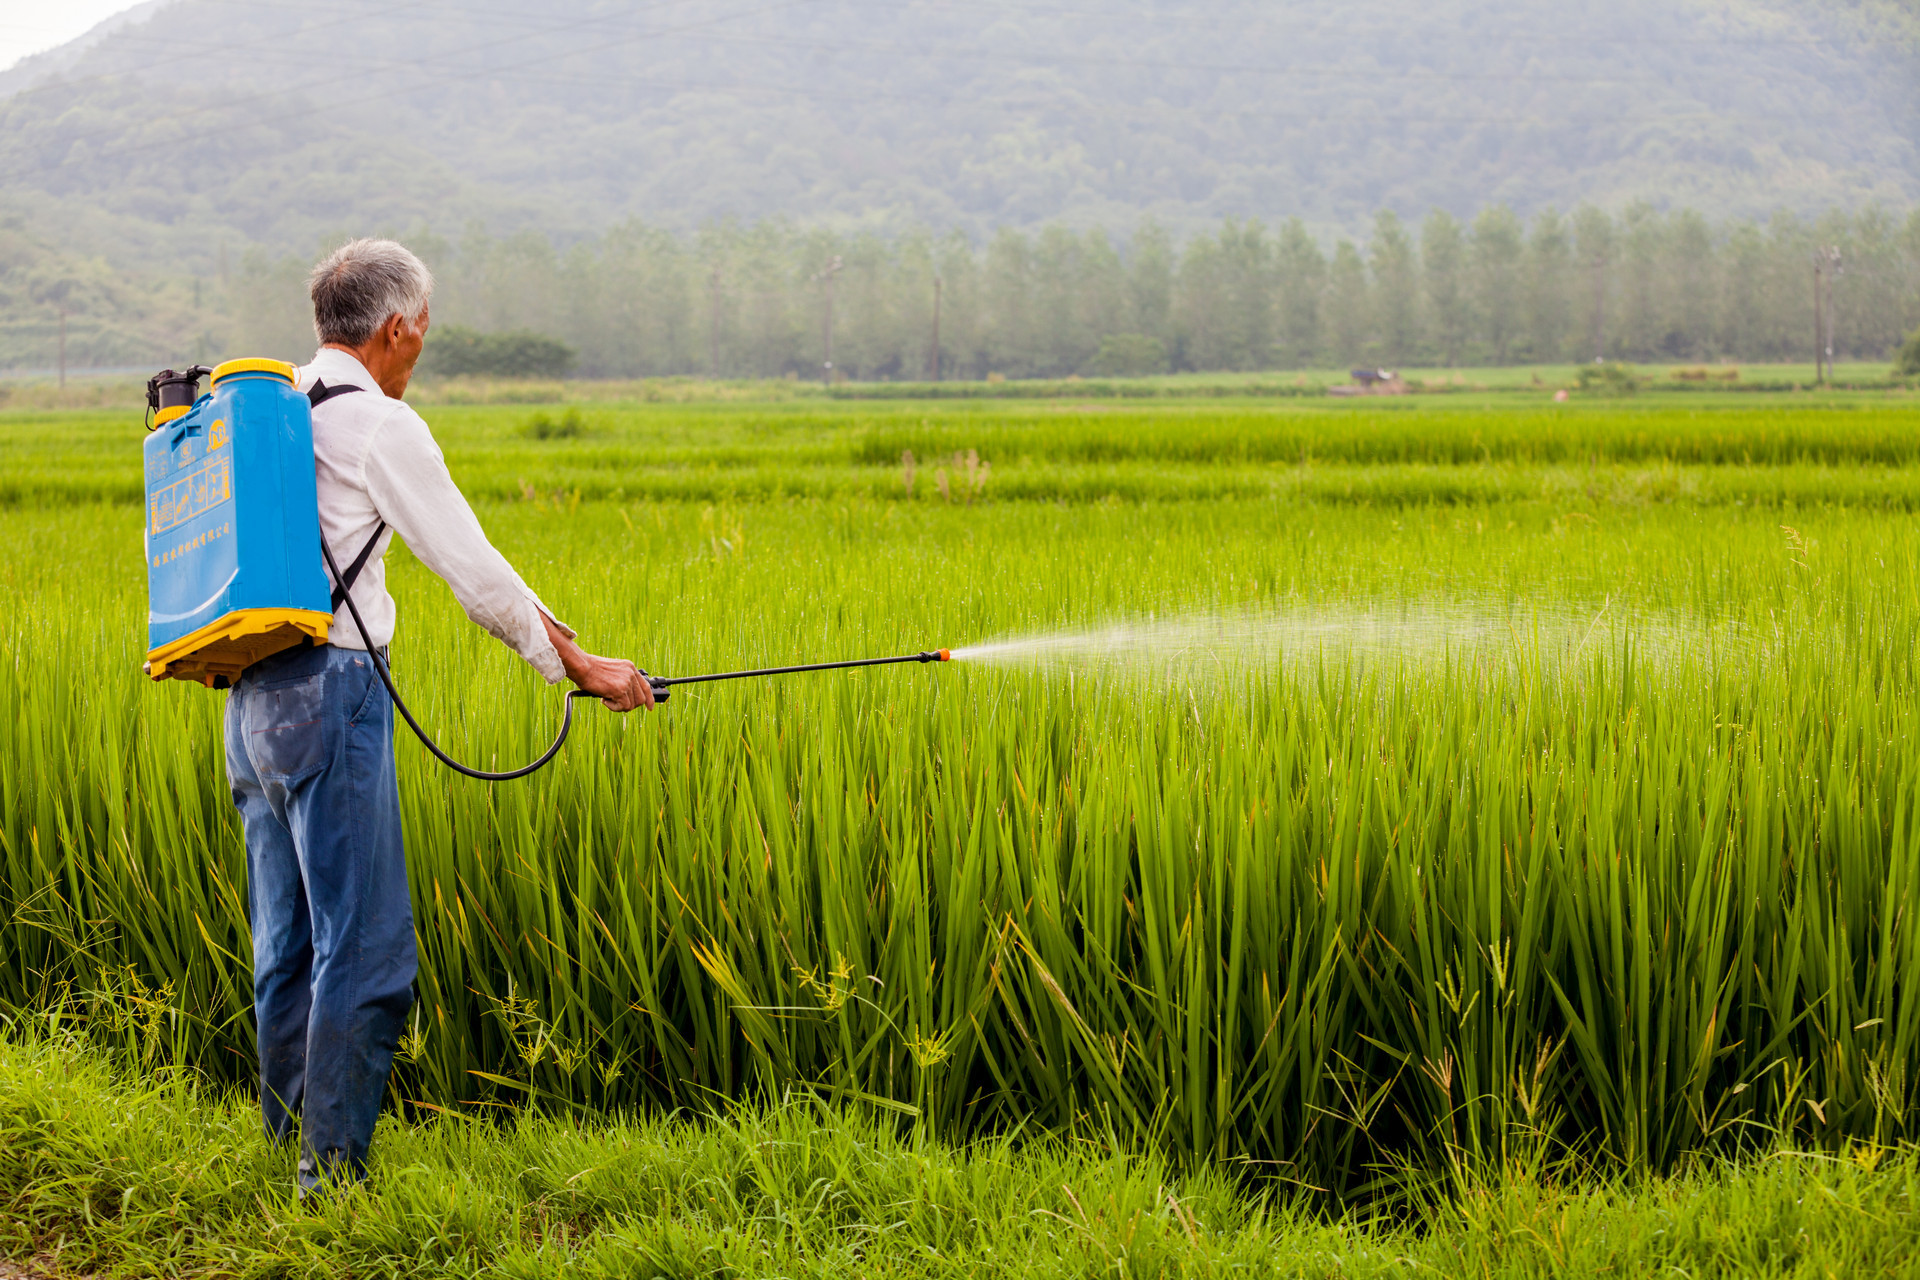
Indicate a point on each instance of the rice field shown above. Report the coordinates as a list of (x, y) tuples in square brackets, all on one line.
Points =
[(1321, 791)]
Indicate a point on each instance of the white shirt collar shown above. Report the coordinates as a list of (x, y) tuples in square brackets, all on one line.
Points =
[(341, 368)]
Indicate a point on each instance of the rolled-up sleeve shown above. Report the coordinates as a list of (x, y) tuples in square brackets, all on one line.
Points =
[(408, 481)]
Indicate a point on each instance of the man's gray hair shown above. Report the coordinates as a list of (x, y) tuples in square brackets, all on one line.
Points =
[(357, 286)]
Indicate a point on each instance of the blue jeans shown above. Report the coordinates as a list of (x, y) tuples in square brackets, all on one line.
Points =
[(310, 758)]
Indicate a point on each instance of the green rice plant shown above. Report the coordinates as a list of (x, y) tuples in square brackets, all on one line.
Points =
[(1617, 869), (1719, 448)]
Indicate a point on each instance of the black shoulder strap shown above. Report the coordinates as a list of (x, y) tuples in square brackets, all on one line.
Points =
[(345, 584), (322, 393)]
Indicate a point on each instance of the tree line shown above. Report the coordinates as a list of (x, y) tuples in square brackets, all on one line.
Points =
[(764, 299)]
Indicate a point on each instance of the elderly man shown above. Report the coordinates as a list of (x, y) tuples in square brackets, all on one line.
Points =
[(310, 731)]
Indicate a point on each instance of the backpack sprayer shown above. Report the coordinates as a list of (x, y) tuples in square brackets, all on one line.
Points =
[(233, 542)]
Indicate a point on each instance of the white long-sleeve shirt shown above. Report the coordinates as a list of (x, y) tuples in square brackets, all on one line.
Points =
[(374, 459)]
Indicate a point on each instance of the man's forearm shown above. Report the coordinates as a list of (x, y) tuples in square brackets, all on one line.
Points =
[(619, 684), (573, 659)]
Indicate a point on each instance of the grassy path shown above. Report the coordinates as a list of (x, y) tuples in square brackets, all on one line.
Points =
[(113, 1174)]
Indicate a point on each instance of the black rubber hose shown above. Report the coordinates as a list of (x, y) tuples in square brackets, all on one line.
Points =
[(386, 678)]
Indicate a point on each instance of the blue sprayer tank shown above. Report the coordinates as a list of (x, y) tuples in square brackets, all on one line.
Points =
[(233, 527)]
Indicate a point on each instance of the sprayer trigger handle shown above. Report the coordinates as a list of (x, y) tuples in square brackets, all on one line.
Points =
[(661, 689)]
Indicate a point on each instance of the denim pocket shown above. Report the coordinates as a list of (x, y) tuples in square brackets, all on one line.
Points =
[(370, 703), (287, 728)]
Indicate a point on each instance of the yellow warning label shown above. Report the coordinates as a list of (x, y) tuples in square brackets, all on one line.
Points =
[(198, 491)]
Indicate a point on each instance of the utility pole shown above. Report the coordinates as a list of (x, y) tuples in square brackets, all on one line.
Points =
[(831, 270), (713, 327), (1822, 317), (936, 327), (1819, 321)]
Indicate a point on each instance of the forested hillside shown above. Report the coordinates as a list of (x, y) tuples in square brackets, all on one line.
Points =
[(277, 123), (151, 178)]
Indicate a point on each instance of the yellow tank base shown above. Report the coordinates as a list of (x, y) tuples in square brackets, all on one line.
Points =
[(229, 645)]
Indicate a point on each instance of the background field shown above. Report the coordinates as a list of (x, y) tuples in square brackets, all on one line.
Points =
[(1533, 774)]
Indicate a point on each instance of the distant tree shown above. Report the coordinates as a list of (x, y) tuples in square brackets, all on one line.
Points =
[(745, 300), (1550, 282), (718, 291), (1224, 299), (628, 304), (1908, 312), (778, 330), (1128, 355), (1300, 280), (866, 301), (1199, 328), (453, 351), (1396, 288), (272, 315), (962, 316), (1151, 260), (1068, 270), (1493, 264), (1100, 294), (1593, 240), (1442, 260), (1869, 316), (1689, 279), (1007, 305), (1642, 259), (1786, 289), (1248, 259), (1906, 360), (911, 269), (1740, 326), (1348, 306)]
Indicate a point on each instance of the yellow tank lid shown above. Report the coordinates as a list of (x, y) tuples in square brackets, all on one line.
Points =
[(232, 367)]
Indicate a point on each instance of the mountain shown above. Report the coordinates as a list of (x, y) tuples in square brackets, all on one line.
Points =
[(192, 129), (37, 67)]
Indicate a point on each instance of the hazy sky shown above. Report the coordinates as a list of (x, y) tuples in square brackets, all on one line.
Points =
[(28, 26)]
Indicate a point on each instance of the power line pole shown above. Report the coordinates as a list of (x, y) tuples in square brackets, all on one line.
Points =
[(936, 327), (831, 270)]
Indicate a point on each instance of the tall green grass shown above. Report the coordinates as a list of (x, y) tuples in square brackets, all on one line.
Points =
[(1312, 919), (1704, 448)]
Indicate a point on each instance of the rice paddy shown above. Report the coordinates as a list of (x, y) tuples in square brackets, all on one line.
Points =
[(1320, 793)]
